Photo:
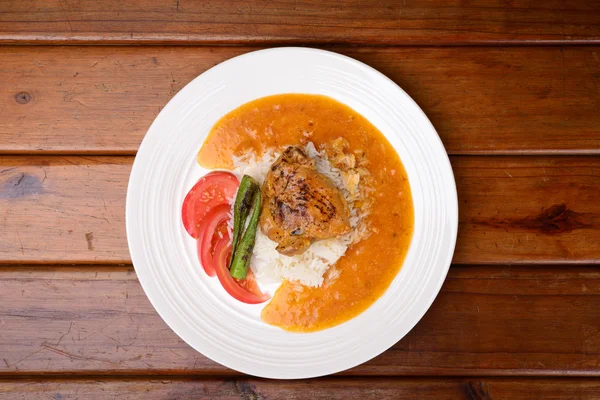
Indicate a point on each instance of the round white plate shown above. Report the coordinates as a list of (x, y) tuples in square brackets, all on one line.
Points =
[(195, 306)]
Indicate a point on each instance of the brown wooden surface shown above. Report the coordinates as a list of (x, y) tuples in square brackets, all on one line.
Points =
[(57, 209), (101, 100), (527, 209), (522, 122), (63, 209), (300, 21), (320, 389), (485, 321)]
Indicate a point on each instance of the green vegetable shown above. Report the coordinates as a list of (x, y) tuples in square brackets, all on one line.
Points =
[(241, 209), (243, 253)]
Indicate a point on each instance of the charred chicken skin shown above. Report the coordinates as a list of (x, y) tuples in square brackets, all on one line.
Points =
[(300, 205)]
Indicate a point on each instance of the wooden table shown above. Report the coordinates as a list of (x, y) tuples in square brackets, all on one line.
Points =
[(513, 88)]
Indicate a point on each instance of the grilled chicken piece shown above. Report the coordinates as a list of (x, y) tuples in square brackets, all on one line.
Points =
[(300, 205)]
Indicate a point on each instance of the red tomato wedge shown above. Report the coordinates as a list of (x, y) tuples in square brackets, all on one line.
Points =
[(205, 213), (213, 189), (211, 225), (249, 283), (231, 286), (219, 234)]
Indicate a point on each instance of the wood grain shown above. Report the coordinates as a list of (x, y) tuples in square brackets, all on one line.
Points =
[(89, 331), (58, 209), (69, 209), (485, 321), (527, 209), (101, 100), (302, 21), (318, 389)]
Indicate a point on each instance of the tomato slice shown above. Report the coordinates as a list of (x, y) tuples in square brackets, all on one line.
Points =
[(205, 213), (208, 230), (231, 286), (249, 283), (219, 234), (213, 189)]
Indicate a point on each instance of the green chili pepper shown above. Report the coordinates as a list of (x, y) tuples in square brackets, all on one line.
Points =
[(241, 209), (243, 253)]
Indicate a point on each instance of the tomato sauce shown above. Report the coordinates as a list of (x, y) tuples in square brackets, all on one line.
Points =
[(368, 267)]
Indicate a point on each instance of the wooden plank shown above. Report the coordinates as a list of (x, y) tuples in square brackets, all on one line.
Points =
[(56, 209), (63, 208), (527, 209), (318, 389), (101, 100), (300, 21), (485, 321)]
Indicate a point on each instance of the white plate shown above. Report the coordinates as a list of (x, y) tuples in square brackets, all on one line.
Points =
[(196, 307)]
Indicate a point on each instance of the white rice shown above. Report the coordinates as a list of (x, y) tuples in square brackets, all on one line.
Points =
[(309, 267)]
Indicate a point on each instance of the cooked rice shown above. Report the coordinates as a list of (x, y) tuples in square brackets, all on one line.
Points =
[(308, 268)]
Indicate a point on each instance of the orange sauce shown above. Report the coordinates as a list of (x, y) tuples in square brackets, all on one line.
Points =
[(368, 267)]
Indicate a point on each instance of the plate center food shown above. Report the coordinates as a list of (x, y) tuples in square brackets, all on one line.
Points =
[(309, 195)]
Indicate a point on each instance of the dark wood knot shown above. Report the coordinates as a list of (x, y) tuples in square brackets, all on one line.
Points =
[(21, 185), (23, 97), (477, 391), (246, 391), (556, 219)]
